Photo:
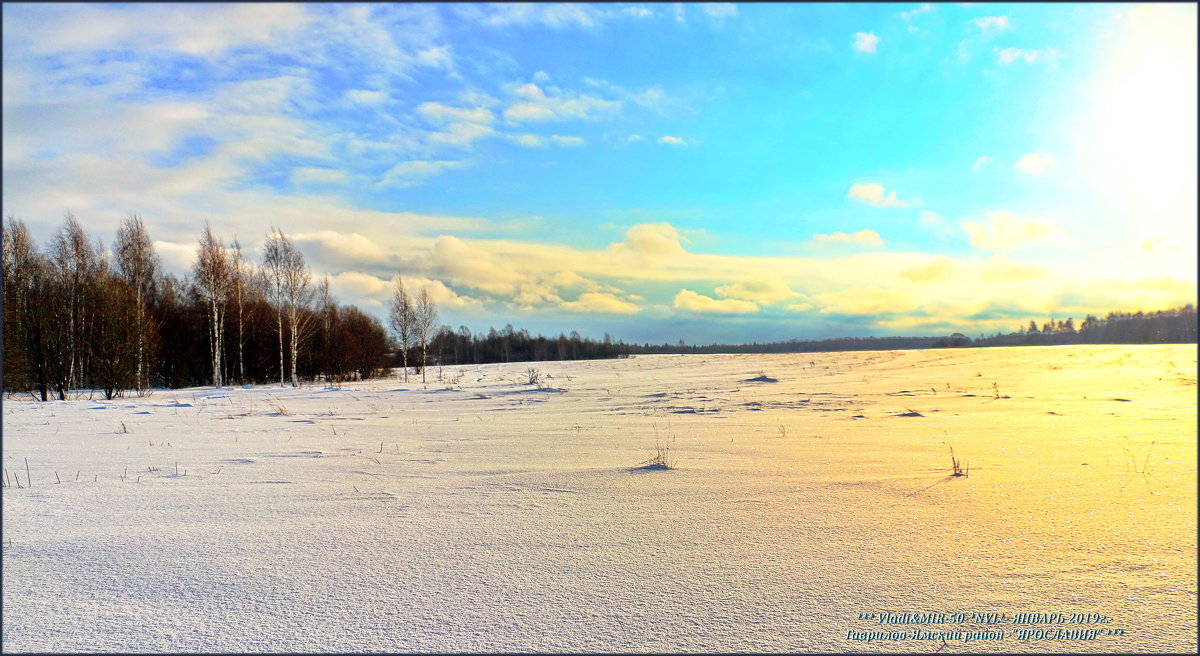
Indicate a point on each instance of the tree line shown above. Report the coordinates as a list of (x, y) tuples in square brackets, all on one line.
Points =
[(1174, 326), (80, 317)]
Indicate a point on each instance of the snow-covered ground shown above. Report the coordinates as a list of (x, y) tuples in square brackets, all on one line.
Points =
[(491, 515)]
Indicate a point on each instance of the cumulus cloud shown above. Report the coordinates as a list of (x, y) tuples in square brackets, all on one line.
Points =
[(374, 292), (567, 140), (1003, 231), (863, 237), (761, 289), (671, 140), (600, 302), (344, 247), (471, 266), (865, 42), (689, 300), (1035, 163), (651, 239), (873, 193)]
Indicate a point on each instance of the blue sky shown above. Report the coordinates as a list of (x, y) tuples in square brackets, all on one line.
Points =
[(714, 172)]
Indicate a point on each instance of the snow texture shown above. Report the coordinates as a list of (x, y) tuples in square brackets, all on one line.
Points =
[(493, 515)]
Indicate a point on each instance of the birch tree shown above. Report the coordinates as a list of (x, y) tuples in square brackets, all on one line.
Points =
[(213, 282), (292, 292), (425, 314), (241, 281), (138, 265), (402, 320), (77, 265), (272, 276), (31, 312)]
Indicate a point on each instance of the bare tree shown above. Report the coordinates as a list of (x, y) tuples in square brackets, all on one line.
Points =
[(402, 320), (115, 337), (425, 314), (291, 292), (272, 276), (241, 273), (31, 313), (213, 282), (138, 265), (77, 265)]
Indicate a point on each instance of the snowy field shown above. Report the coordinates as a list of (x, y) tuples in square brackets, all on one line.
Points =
[(489, 514)]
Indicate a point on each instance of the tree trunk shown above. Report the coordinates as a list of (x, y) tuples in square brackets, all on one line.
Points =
[(279, 325)]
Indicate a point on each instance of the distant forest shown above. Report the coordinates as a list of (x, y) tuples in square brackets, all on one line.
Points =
[(1177, 326), (79, 317)]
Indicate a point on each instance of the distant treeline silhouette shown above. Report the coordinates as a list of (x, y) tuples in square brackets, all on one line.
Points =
[(512, 345), (1176, 326)]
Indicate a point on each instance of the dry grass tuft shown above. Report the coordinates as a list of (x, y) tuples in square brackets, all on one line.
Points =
[(960, 468)]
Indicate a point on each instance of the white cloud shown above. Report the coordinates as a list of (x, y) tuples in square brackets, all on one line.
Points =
[(367, 97), (868, 300), (442, 114), (461, 134), (865, 41), (541, 76), (637, 11), (689, 300), (413, 172), (760, 289), (672, 141), (435, 57), (863, 237), (345, 247), (600, 302), (873, 193), (1035, 163), (196, 29), (313, 175), (991, 23), (556, 15), (558, 105), (981, 162), (651, 239), (1007, 56), (1003, 231), (567, 140), (914, 13), (529, 140)]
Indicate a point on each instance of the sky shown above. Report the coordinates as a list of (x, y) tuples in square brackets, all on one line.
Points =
[(706, 172)]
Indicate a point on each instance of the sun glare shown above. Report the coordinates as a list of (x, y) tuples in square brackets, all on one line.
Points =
[(1139, 145)]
